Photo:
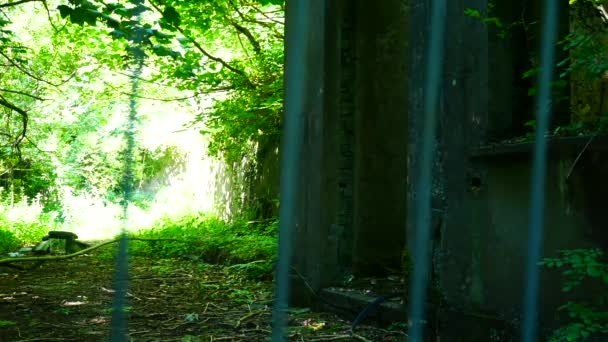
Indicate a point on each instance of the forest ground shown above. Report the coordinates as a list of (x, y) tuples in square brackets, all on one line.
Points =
[(169, 300)]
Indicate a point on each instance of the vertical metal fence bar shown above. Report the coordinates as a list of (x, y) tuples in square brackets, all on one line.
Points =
[(424, 177), (537, 190), (118, 331), (295, 58)]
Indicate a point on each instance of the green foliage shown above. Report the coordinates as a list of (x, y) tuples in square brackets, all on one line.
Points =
[(25, 218), (119, 19), (8, 241), (249, 110), (260, 269), (589, 267), (502, 29), (593, 2), (229, 52), (205, 238), (63, 91), (4, 323), (247, 116), (586, 54), (398, 326)]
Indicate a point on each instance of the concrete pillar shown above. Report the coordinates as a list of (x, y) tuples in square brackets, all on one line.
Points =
[(315, 236), (351, 193)]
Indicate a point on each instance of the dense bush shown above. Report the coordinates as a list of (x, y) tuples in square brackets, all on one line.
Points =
[(8, 241)]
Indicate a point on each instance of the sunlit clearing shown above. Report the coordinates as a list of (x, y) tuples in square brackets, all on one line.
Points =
[(189, 190)]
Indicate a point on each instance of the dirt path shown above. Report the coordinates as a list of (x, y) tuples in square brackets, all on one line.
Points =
[(168, 301)]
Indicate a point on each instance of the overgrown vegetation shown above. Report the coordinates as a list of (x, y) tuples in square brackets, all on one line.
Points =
[(582, 267), (22, 222), (212, 67), (581, 76), (250, 247)]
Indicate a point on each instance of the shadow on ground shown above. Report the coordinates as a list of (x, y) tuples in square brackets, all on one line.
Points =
[(169, 300)]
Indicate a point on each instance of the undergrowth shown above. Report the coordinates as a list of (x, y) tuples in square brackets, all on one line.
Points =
[(249, 247), (22, 222)]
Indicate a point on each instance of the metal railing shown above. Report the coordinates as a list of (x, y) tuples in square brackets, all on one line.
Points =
[(296, 44), (296, 49)]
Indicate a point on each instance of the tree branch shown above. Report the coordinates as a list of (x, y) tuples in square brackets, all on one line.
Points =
[(16, 3), (249, 35), (8, 261), (261, 23), (23, 93), (265, 15), (20, 68), (244, 31), (48, 14), (207, 54), (24, 120), (38, 148)]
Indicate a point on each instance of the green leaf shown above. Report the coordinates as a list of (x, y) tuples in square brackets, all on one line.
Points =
[(111, 22), (594, 271), (117, 34), (162, 51), (171, 16), (473, 13), (530, 72), (160, 36), (64, 11)]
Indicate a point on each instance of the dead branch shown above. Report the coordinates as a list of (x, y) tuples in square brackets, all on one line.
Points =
[(8, 261), (248, 316)]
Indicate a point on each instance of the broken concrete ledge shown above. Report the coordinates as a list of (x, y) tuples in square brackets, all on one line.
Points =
[(347, 303)]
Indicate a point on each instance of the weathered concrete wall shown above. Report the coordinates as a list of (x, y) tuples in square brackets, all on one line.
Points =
[(482, 100), (344, 103), (463, 115), (351, 195), (493, 280), (380, 135), (351, 192), (263, 179), (314, 203), (250, 187)]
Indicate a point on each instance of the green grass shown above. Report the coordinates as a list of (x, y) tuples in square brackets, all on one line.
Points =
[(198, 237)]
